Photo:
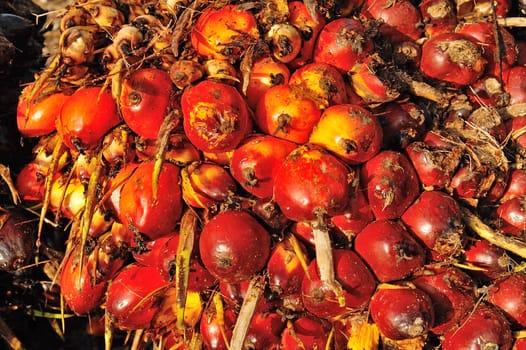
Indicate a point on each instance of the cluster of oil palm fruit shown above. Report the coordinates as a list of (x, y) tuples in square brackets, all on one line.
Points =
[(277, 174)]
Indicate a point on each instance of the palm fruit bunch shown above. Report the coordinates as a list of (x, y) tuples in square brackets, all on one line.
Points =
[(311, 174)]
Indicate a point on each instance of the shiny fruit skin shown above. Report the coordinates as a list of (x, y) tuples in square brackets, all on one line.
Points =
[(391, 184), (30, 183), (452, 292), (287, 112), (255, 161), (106, 259), (452, 57), (342, 43), (402, 312), (68, 197), (515, 84), (434, 163), (435, 218), (264, 331), (215, 326), (349, 131), (485, 327), (402, 123), (224, 33), (234, 246), (132, 300), (357, 281), (305, 332), (82, 125), (484, 34), (439, 16), (138, 208), (519, 344), (516, 185), (161, 253), (297, 187), (216, 117), (470, 182), (309, 27), (206, 183), (268, 211), (115, 185), (38, 117), (145, 100), (509, 294), (284, 268), (265, 73), (78, 287), (389, 250), (180, 150), (513, 212), (493, 260), (17, 236), (321, 81), (357, 215), (399, 19)]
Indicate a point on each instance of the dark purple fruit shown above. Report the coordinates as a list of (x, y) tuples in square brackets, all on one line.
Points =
[(17, 240)]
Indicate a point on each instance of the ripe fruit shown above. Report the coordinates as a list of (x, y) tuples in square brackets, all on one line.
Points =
[(402, 312), (399, 19), (17, 235), (255, 162), (285, 269), (485, 36), (435, 218), (342, 43), (356, 216), (435, 160), (438, 16), (145, 100), (513, 212), (216, 116), (264, 331), (141, 209), (370, 82), (38, 117), (452, 57), (265, 73), (285, 42), (484, 327), (321, 81), (287, 112), (309, 26), (305, 332), (134, 297), (402, 123), (493, 260), (78, 286), (509, 295), (389, 250), (205, 184), (351, 272), (452, 292), (234, 246), (391, 184), (224, 33), (349, 131), (514, 84), (297, 186), (82, 125), (30, 183)]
